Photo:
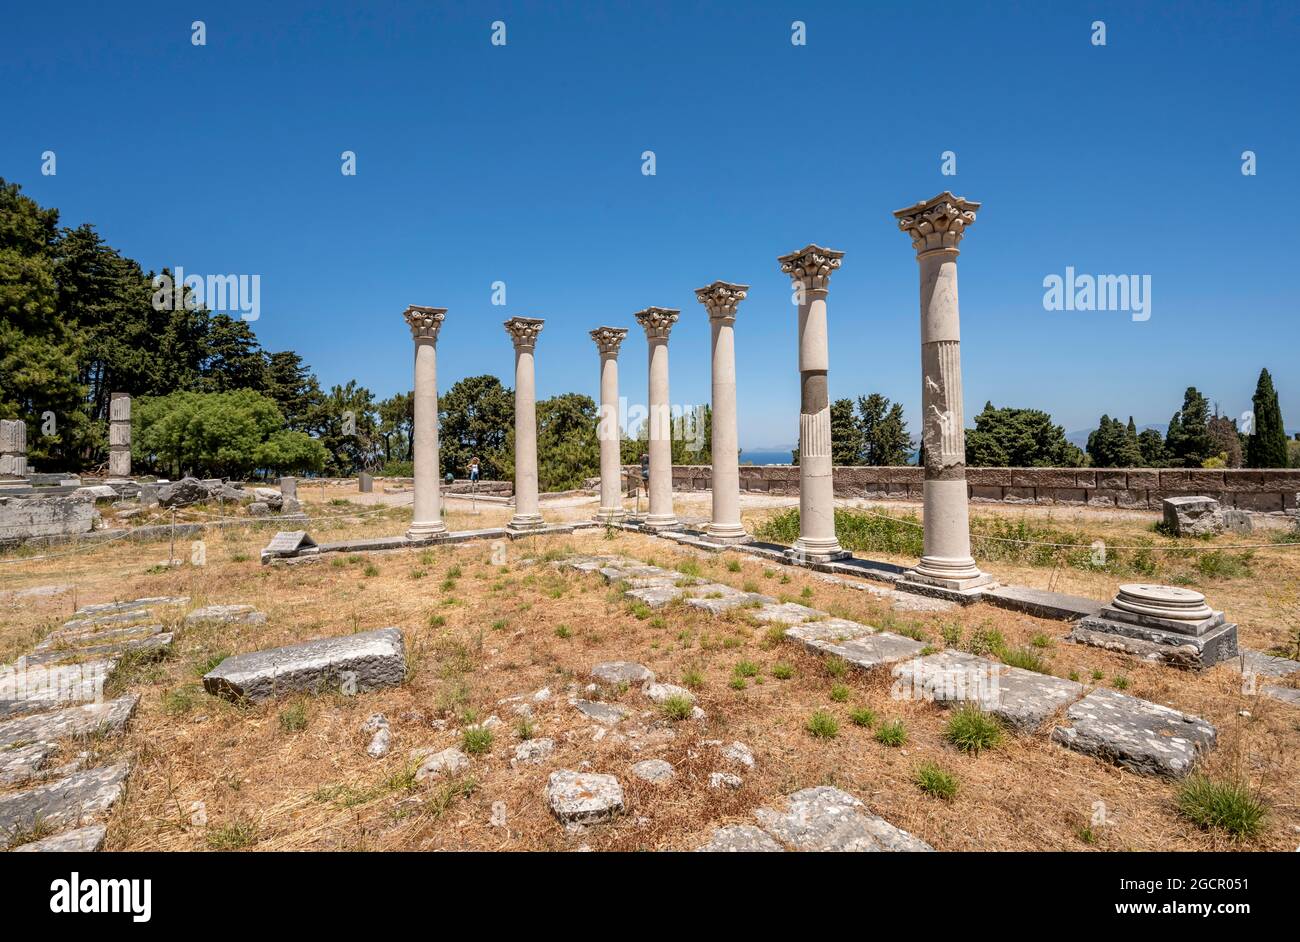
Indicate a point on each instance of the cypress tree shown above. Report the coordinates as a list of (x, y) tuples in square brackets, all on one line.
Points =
[(1267, 445)]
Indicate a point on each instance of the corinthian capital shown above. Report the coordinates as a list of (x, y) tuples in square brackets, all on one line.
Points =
[(657, 321), (523, 331), (811, 265), (937, 223), (424, 321), (721, 298), (608, 339)]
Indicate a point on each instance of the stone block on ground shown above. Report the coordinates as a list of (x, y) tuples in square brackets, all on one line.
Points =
[(828, 819), (655, 596), (80, 796), (152, 645), (740, 839), (654, 771), (583, 797), (661, 693), (716, 598), (1021, 699), (1192, 516), (606, 713), (533, 752), (85, 840), (225, 614), (29, 518), (446, 762), (104, 719), (19, 763), (860, 645), (354, 663), (787, 613), (1269, 665), (30, 689), (622, 672), (1139, 735), (1043, 604)]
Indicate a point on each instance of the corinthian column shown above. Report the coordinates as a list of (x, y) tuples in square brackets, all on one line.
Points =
[(523, 331), (936, 227), (810, 272), (658, 322), (608, 340), (426, 518), (720, 299)]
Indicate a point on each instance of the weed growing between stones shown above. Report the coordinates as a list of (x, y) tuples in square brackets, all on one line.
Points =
[(476, 740), (972, 731), (1224, 805)]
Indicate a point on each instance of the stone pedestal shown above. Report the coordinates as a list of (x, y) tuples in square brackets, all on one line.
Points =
[(426, 516), (523, 332), (13, 453), (936, 228), (658, 323), (365, 482), (810, 273), (119, 437), (721, 299), (1163, 623), (608, 340), (289, 486)]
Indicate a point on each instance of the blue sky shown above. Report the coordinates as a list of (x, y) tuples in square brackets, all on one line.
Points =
[(478, 163)]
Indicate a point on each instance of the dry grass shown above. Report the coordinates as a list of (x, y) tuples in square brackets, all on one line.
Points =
[(209, 774)]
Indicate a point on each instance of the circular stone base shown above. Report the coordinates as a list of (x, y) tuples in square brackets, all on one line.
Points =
[(1162, 601)]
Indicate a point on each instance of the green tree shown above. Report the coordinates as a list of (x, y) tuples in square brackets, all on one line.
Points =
[(1267, 445), (1188, 438), (475, 417), (1225, 441), (397, 426), (885, 439), (846, 434), (1019, 438), (568, 451), (294, 388), (347, 426), (1151, 444), (1114, 444), (233, 359)]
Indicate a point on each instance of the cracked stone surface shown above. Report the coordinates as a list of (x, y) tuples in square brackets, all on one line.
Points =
[(354, 663), (860, 645), (108, 718), (22, 762), (225, 614), (155, 645), (828, 819), (787, 613), (655, 596), (26, 689), (655, 771), (583, 797), (533, 751), (79, 841), (1139, 735), (1257, 662), (87, 794), (716, 598), (622, 672), (740, 839), (97, 635), (607, 713), (1021, 699)]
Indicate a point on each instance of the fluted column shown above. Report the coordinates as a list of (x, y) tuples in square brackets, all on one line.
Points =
[(658, 322), (523, 331), (13, 453), (720, 299), (810, 272), (608, 340), (936, 227), (119, 437), (426, 518)]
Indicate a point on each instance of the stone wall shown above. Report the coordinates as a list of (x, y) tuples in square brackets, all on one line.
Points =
[(1272, 491), (22, 519)]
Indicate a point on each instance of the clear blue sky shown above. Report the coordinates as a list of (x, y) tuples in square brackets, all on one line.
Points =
[(522, 164)]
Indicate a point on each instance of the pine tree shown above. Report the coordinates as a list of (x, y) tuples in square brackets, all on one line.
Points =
[(1267, 446), (1188, 439), (846, 434)]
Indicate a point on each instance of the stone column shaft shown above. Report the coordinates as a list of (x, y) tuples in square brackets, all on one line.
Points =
[(426, 518), (936, 228), (13, 453), (119, 436), (608, 340), (658, 322), (810, 270), (524, 331), (721, 299)]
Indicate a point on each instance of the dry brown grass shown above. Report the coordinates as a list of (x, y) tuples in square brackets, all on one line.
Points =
[(264, 788)]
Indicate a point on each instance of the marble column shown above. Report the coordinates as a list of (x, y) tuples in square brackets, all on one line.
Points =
[(426, 520), (720, 299), (523, 331), (13, 453), (810, 272), (119, 437), (936, 227), (658, 322), (608, 340)]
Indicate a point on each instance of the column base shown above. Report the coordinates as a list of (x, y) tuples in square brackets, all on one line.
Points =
[(727, 533), (661, 522), (610, 515), (816, 551), (426, 530), (956, 575), (522, 523)]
